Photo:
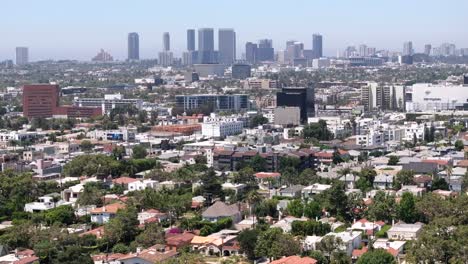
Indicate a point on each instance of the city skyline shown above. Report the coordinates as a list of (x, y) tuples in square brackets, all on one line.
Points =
[(384, 30)]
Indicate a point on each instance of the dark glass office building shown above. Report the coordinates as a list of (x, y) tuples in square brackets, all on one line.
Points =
[(133, 46), (317, 45), (299, 97), (226, 46), (265, 51), (241, 71), (206, 52), (190, 39), (251, 52)]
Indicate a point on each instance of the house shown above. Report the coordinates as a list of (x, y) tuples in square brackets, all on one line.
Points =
[(402, 231), (26, 256), (310, 243), (155, 254), (72, 193), (351, 240), (390, 245), (178, 241), (413, 189), (222, 243), (368, 227), (286, 223), (151, 215), (383, 181), (293, 191), (264, 179), (314, 189), (98, 232), (44, 203), (236, 187), (349, 180), (423, 181), (103, 214), (221, 210), (124, 181), (107, 258), (295, 260)]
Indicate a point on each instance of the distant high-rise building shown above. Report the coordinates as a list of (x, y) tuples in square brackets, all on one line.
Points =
[(299, 97), (363, 50), (206, 52), (166, 41), (103, 56), (191, 39), (251, 52), (265, 51), (317, 47), (133, 46), (227, 46), (294, 50), (371, 51), (408, 48), (427, 49), (22, 55)]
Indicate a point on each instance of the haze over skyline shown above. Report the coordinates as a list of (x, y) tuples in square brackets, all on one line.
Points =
[(54, 29)]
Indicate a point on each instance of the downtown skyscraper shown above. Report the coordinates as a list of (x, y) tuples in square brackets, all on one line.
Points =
[(317, 45), (190, 57), (22, 56), (408, 48), (166, 41), (166, 58), (133, 46), (206, 52), (227, 46), (190, 39)]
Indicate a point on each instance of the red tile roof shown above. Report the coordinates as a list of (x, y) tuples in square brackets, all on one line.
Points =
[(359, 252), (124, 180), (264, 175), (110, 208), (295, 260)]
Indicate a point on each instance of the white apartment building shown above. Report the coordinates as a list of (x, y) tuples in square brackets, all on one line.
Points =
[(109, 102), (220, 126), (436, 97)]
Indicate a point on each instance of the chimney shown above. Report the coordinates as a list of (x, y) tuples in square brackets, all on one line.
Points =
[(138, 250)]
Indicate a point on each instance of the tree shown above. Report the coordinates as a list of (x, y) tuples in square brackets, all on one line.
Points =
[(377, 256), (62, 215), (274, 244), (312, 210), (295, 208), (152, 234), (86, 145), (403, 177), (382, 208), (247, 241), (309, 228), (335, 200), (258, 120), (258, 163), (317, 131), (440, 184), (123, 228), (210, 188), (459, 145), (393, 160), (318, 256), (92, 194), (366, 179), (73, 255), (139, 152), (329, 244), (407, 209)]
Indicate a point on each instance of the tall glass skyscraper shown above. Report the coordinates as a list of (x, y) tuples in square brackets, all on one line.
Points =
[(227, 46), (166, 41), (133, 46), (190, 39), (22, 55), (317, 45), (206, 52)]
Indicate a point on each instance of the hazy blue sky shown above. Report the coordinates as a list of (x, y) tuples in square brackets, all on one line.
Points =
[(77, 29)]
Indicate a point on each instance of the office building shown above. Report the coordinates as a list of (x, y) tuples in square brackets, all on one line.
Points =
[(427, 49), (375, 96), (294, 51), (408, 48), (221, 126), (235, 102), (22, 56), (211, 69), (241, 71), (320, 63), (406, 59), (42, 101), (317, 45), (103, 56), (226, 46), (363, 50), (251, 52), (206, 52), (166, 57), (109, 102), (436, 97), (189, 57), (191, 39), (287, 116), (298, 97), (365, 61), (166, 41), (265, 51), (133, 46)]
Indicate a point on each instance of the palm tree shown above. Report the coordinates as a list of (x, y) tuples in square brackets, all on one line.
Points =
[(253, 197)]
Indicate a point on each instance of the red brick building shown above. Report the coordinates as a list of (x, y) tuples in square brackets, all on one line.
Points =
[(43, 100)]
